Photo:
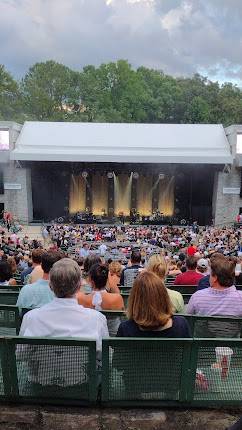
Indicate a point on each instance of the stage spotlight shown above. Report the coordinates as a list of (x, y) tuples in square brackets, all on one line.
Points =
[(135, 175), (161, 176), (85, 174), (110, 175)]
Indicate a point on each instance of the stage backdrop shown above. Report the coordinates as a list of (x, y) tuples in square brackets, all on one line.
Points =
[(166, 195), (144, 195), (122, 193), (77, 201), (99, 194)]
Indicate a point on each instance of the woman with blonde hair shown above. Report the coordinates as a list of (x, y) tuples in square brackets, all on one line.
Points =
[(150, 312), (157, 264), (114, 273)]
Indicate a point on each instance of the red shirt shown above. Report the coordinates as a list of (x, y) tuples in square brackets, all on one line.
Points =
[(191, 250), (190, 277)]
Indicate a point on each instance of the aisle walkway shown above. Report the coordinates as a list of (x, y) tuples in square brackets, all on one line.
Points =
[(32, 231)]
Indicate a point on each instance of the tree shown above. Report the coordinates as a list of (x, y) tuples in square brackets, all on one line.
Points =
[(48, 91), (10, 98), (230, 104), (197, 111), (113, 92)]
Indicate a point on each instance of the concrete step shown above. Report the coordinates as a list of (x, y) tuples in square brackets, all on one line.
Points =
[(16, 417)]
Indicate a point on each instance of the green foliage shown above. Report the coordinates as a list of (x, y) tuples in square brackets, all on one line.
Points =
[(48, 90), (115, 92), (10, 98)]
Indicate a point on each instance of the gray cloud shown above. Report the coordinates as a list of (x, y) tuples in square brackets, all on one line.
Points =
[(179, 36)]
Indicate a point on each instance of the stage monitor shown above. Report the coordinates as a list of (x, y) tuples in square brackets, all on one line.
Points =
[(4, 140)]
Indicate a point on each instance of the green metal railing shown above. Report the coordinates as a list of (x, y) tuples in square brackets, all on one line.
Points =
[(170, 372), (135, 372), (45, 370)]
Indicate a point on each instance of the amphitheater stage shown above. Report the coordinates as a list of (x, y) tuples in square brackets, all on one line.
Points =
[(180, 171), (118, 192)]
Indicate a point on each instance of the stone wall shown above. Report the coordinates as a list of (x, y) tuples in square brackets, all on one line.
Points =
[(19, 202), (226, 206)]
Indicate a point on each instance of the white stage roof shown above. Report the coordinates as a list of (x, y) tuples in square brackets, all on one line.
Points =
[(127, 143)]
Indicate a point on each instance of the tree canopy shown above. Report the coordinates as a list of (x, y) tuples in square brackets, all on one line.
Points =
[(116, 92)]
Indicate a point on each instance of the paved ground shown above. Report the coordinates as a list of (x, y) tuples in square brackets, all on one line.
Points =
[(32, 231), (23, 417)]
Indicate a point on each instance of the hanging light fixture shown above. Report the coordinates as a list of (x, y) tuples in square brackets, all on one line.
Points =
[(84, 174)]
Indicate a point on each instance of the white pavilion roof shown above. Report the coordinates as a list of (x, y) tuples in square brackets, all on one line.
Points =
[(131, 143)]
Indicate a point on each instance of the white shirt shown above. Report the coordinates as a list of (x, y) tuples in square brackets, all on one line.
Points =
[(102, 249), (60, 318), (65, 318)]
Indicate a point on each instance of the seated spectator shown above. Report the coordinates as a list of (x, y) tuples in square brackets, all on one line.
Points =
[(86, 286), (13, 265), (190, 277), (100, 298), (221, 298), (6, 274), (191, 250), (62, 317), (114, 273), (39, 293), (203, 266), (150, 311), (84, 251), (174, 268), (204, 282), (130, 272), (26, 273), (37, 272), (158, 265), (23, 263)]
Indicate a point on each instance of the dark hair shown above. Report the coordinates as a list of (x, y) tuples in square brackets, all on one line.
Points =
[(191, 263), (79, 261), (99, 275), (5, 271), (17, 259), (182, 256), (49, 258), (223, 268), (135, 257), (37, 256), (90, 261)]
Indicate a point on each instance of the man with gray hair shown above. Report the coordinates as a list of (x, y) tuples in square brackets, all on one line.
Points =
[(62, 317)]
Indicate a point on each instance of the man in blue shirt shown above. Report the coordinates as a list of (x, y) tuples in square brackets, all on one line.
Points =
[(84, 251), (39, 293)]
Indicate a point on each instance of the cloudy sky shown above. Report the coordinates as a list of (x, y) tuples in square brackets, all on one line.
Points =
[(180, 37)]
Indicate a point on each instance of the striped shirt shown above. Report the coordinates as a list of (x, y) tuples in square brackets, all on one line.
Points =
[(209, 301)]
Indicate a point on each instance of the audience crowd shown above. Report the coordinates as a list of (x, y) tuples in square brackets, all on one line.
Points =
[(75, 272)]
